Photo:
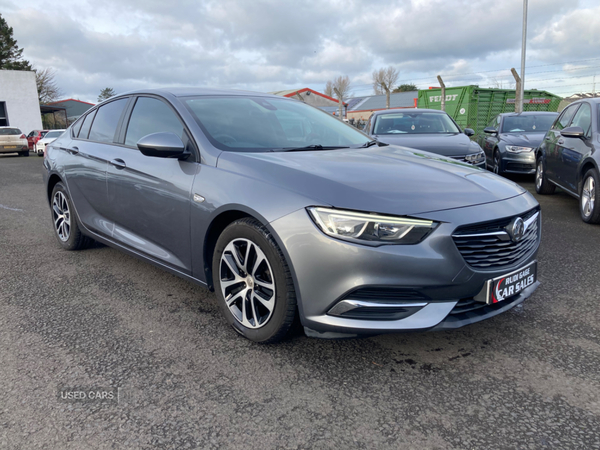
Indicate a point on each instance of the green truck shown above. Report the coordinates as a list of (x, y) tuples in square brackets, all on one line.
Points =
[(474, 107)]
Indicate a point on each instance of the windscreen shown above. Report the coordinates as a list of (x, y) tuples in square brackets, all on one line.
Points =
[(9, 131), (414, 123), (258, 124), (527, 124)]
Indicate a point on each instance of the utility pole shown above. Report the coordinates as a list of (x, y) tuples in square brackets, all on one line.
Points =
[(523, 48), (518, 91), (340, 105), (443, 86)]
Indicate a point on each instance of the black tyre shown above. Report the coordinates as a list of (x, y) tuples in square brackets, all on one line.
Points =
[(588, 206), (253, 282), (542, 185), (64, 220), (25, 153), (497, 161), (41, 154)]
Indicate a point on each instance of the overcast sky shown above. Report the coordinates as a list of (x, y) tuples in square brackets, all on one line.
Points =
[(267, 45)]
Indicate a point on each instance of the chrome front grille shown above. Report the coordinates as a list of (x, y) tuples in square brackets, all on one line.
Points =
[(489, 245)]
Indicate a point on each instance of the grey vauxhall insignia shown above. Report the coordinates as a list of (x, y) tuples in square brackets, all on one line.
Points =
[(287, 212)]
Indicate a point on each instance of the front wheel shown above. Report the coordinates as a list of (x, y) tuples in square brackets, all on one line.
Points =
[(497, 162), (588, 206), (253, 282), (542, 185)]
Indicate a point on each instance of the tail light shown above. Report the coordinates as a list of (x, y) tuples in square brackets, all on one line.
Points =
[(23, 136)]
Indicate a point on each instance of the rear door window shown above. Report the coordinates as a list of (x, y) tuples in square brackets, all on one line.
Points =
[(106, 121)]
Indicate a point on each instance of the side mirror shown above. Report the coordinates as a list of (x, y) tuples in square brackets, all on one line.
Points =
[(161, 145), (572, 132), (490, 130), (469, 132)]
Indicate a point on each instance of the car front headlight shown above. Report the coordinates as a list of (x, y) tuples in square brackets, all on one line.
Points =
[(371, 229), (517, 149), (476, 158)]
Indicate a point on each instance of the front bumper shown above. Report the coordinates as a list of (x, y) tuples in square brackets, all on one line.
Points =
[(327, 270), (523, 163)]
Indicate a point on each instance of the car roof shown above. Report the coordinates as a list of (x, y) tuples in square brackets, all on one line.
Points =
[(189, 92), (11, 127), (593, 100), (530, 113), (407, 110)]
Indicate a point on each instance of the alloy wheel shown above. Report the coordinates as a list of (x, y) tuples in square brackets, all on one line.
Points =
[(588, 196), (496, 165), (247, 283), (539, 175), (62, 216)]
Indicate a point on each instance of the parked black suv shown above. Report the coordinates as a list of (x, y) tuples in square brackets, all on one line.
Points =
[(568, 157)]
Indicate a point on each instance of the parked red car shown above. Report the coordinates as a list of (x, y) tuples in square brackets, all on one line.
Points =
[(35, 136)]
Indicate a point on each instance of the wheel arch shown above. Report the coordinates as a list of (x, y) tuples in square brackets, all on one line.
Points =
[(221, 220), (585, 166), (52, 181)]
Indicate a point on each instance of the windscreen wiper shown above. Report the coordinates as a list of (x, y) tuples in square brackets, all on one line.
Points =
[(308, 147), (373, 142)]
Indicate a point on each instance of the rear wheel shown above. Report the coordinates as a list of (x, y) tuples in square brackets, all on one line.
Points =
[(25, 153), (253, 282), (588, 204), (66, 227), (542, 185)]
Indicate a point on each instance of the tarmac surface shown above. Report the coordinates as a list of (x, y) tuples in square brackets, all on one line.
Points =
[(101, 321)]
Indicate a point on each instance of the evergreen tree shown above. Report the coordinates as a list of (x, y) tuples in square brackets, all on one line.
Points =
[(10, 54), (106, 93)]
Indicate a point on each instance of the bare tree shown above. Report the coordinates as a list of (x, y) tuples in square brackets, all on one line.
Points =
[(383, 82), (341, 89), (48, 90), (329, 89)]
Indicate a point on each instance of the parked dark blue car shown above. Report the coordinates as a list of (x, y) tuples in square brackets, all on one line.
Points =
[(510, 139), (568, 157)]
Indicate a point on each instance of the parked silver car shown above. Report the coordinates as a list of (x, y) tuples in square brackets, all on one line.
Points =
[(288, 212)]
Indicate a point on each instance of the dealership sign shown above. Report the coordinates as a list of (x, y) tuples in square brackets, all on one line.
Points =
[(531, 101)]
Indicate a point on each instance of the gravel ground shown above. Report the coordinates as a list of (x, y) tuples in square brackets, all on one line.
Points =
[(101, 320)]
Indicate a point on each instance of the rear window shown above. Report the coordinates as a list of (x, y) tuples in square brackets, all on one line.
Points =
[(53, 134), (106, 121), (9, 131)]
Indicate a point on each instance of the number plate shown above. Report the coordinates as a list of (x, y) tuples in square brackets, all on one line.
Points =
[(10, 146), (512, 283)]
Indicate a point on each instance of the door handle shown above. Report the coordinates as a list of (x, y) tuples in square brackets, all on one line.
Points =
[(548, 138), (118, 163), (561, 141), (73, 150)]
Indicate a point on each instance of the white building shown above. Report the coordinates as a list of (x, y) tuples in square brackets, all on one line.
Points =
[(19, 106)]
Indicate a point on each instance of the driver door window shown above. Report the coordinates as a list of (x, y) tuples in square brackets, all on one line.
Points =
[(565, 118), (583, 119), (151, 115)]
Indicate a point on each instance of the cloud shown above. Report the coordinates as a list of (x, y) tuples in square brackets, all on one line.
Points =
[(272, 44)]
